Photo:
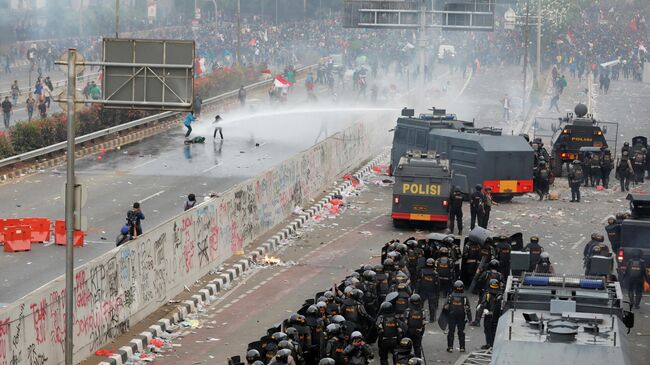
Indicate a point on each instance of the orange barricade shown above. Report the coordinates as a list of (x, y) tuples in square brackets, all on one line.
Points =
[(59, 235), (17, 239), (8, 222), (40, 227)]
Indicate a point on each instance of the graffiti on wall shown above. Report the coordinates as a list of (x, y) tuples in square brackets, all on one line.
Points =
[(117, 289)]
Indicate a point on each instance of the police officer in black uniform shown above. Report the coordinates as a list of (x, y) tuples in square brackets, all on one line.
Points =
[(542, 179), (429, 286), (490, 306), (576, 176), (606, 166), (635, 275), (252, 355), (335, 344), (544, 265), (586, 253), (404, 351), (503, 250), (471, 258), (381, 280), (390, 330), (445, 269), (358, 352), (613, 230), (353, 311), (476, 206), (413, 255), (596, 169), (459, 310), (624, 171), (535, 250), (402, 300), (415, 323), (316, 326), (456, 210)]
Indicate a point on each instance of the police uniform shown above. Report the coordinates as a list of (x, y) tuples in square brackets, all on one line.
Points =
[(445, 269), (428, 287), (476, 208), (471, 258), (456, 211), (390, 332), (459, 310), (614, 235), (576, 176), (503, 255), (635, 275), (415, 328), (535, 250), (596, 170), (491, 306), (606, 168)]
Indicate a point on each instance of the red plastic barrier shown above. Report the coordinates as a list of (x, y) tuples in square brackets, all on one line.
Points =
[(8, 222), (59, 235), (41, 228), (17, 239)]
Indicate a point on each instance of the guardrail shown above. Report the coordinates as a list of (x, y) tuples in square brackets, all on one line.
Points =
[(135, 123)]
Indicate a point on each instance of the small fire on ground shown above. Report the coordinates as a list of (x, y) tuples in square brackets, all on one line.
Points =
[(270, 260)]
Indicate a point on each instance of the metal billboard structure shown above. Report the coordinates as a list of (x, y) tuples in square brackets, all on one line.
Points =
[(148, 74)]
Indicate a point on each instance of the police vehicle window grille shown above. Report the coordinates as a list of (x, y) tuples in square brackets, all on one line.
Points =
[(400, 135), (412, 137), (421, 139)]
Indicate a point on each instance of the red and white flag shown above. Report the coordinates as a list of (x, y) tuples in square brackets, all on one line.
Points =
[(281, 81)]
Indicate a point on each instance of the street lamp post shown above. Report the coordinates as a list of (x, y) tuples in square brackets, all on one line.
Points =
[(523, 108), (117, 18), (538, 68), (238, 32)]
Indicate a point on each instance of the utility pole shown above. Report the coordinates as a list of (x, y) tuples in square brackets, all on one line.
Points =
[(117, 18), (538, 68), (238, 32), (69, 209), (422, 40), (526, 25)]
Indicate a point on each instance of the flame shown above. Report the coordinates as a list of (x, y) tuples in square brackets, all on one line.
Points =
[(271, 260)]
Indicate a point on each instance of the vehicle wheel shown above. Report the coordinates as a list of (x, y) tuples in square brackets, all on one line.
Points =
[(399, 223), (503, 198)]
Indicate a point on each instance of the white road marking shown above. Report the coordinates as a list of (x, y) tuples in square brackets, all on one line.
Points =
[(151, 196), (143, 164), (575, 245), (211, 168)]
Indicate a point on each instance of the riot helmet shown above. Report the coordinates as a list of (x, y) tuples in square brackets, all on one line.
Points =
[(252, 355), (279, 336), (327, 361), (534, 239), (430, 262), (312, 310), (283, 354), (459, 286), (406, 343), (386, 308), (416, 361), (415, 300), (369, 275), (494, 264)]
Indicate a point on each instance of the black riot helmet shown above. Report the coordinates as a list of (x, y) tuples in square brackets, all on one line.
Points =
[(367, 267), (594, 235), (338, 319), (415, 300), (478, 187), (534, 239), (293, 318), (449, 240), (312, 309), (411, 243), (388, 263), (379, 268), (494, 284), (369, 275), (283, 354), (444, 251), (278, 336), (430, 262), (406, 343), (415, 361), (258, 362), (252, 355), (321, 305), (386, 308), (329, 296), (327, 361), (292, 333), (333, 329), (284, 344), (459, 286), (611, 220), (494, 264), (357, 294)]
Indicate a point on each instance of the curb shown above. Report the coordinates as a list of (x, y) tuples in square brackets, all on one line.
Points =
[(141, 342)]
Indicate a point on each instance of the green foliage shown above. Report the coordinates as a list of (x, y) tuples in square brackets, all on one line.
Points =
[(6, 148)]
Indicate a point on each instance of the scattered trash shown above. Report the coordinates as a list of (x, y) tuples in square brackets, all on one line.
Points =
[(104, 352), (156, 342), (366, 233)]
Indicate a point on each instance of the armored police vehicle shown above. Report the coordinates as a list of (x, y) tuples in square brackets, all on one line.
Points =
[(574, 132), (422, 189), (553, 319), (634, 232), (478, 156)]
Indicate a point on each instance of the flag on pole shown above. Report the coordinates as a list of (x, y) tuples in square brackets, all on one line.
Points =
[(281, 81)]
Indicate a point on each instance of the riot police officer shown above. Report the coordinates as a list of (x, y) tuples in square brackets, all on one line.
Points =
[(490, 306), (381, 280), (535, 250), (370, 292), (544, 265), (335, 344), (476, 200), (415, 323), (542, 179), (624, 171), (639, 165), (429, 286), (316, 326), (600, 249), (390, 330), (503, 250), (402, 300), (445, 269), (576, 175), (459, 310), (353, 311), (413, 255), (358, 352), (606, 166), (613, 230), (595, 240), (586, 168), (635, 275), (471, 258), (456, 210)]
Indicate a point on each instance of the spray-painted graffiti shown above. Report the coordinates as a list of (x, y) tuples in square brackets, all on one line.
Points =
[(134, 278)]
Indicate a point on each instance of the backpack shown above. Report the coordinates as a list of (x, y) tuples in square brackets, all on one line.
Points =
[(577, 173)]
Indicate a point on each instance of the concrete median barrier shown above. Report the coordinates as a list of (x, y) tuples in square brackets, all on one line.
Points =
[(116, 290)]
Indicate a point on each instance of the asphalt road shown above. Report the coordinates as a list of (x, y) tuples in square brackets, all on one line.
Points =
[(160, 171)]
